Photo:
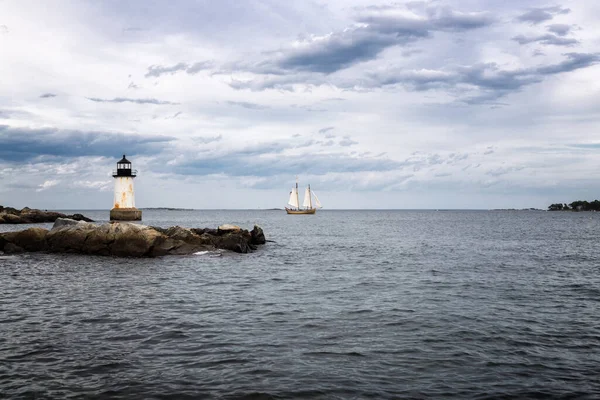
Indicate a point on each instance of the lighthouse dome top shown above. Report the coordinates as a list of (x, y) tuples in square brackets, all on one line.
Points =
[(124, 169)]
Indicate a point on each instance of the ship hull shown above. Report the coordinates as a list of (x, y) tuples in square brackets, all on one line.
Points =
[(299, 212)]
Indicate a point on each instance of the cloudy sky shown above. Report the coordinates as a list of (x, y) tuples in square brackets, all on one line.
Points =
[(434, 104)]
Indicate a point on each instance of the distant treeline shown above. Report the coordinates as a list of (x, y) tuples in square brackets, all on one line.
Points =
[(579, 205)]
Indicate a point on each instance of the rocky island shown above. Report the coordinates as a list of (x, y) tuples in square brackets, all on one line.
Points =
[(9, 215), (124, 239)]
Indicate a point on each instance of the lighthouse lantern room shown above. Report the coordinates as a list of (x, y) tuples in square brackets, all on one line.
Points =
[(124, 203)]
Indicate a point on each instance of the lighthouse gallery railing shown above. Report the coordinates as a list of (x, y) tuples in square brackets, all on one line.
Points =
[(124, 172)]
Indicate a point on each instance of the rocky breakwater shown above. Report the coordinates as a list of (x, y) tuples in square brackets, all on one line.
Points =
[(9, 215), (124, 239)]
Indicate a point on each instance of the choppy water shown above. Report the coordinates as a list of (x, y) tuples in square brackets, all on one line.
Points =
[(345, 304)]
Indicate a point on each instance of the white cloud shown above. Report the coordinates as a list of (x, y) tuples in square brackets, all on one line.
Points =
[(103, 185), (47, 185)]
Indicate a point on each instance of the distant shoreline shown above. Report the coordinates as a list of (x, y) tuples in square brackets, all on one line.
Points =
[(579, 205), (168, 209)]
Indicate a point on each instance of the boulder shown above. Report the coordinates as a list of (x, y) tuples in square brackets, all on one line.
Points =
[(12, 248), (98, 241), (237, 242), (66, 222), (3, 241), (69, 238), (229, 228), (32, 239), (208, 231), (9, 215), (13, 219), (9, 210), (187, 235), (80, 217), (127, 239), (132, 240), (166, 246), (258, 236), (38, 216), (161, 230), (186, 241)]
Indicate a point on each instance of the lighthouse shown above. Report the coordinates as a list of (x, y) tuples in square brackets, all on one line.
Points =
[(124, 204)]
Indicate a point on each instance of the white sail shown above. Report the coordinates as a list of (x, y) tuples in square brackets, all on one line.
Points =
[(307, 200), (293, 201), (317, 202)]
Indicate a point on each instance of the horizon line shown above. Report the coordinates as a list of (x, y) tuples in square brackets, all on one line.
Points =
[(321, 210)]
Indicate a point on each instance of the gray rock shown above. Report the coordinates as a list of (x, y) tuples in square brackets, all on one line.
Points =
[(125, 239), (12, 219), (133, 240), (187, 235), (12, 248), (68, 238), (234, 241), (32, 239), (229, 228), (66, 222), (9, 215), (80, 217)]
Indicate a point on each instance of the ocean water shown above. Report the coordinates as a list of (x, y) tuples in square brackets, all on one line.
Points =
[(342, 305)]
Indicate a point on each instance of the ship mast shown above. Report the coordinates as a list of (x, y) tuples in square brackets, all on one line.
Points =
[(297, 197)]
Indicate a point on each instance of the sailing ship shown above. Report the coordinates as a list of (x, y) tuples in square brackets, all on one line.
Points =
[(307, 205)]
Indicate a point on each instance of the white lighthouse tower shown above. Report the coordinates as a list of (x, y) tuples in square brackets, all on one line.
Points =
[(124, 204)]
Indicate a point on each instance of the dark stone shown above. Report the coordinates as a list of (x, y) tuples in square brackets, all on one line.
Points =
[(188, 236), (3, 242), (258, 236), (79, 217), (130, 246), (9, 210), (237, 242), (98, 240), (37, 216), (68, 239), (158, 228), (208, 231), (32, 239), (12, 219), (9, 215), (12, 248), (164, 246), (131, 240)]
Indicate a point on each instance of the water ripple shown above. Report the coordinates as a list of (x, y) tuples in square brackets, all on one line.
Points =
[(480, 305)]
